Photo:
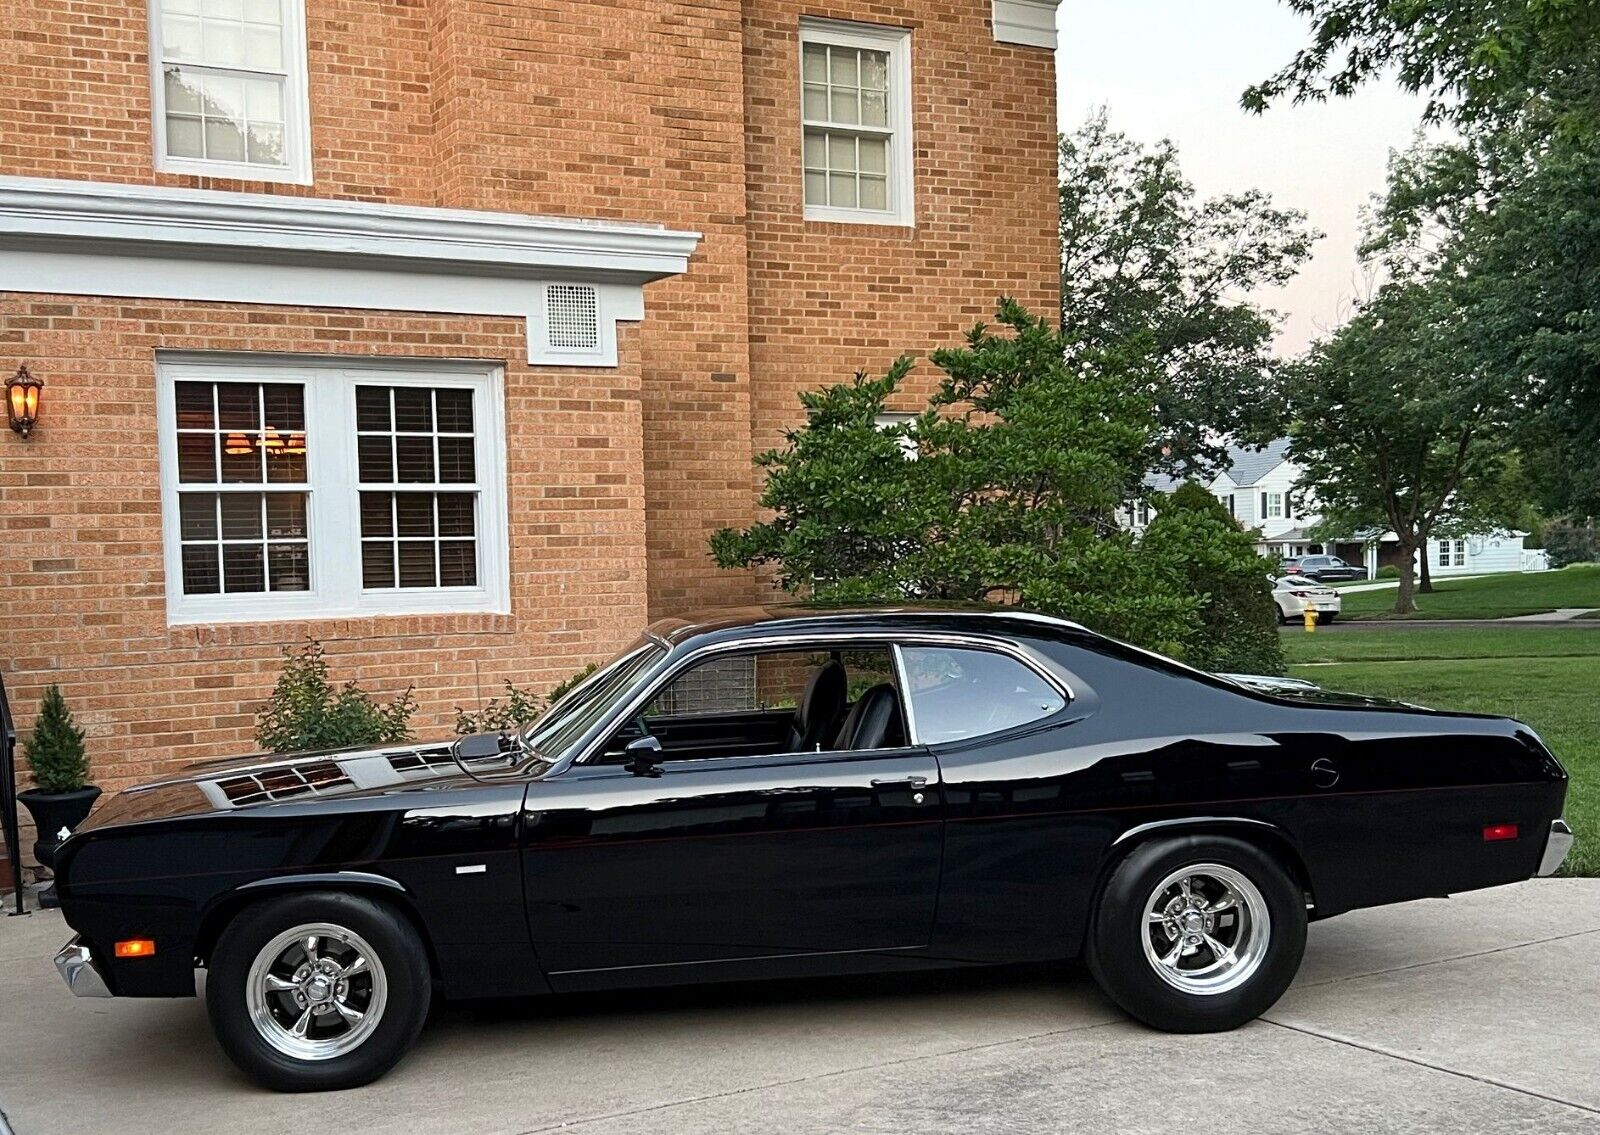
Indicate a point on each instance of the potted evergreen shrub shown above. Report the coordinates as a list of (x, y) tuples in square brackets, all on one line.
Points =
[(61, 796)]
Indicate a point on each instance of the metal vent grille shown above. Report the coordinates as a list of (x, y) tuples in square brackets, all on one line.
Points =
[(310, 779), (573, 315)]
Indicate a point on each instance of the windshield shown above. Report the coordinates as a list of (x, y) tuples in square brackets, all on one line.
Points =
[(565, 722)]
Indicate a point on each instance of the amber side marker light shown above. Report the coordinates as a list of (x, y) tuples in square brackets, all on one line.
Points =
[(135, 948), (1494, 833)]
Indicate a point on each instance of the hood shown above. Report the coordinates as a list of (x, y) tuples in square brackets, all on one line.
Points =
[(300, 778)]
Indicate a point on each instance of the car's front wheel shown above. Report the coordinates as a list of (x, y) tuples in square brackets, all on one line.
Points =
[(1197, 934), (317, 991)]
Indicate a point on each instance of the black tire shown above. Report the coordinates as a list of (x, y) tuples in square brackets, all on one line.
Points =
[(405, 972), (1116, 952)]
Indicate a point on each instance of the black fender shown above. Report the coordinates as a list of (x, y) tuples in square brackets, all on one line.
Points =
[(222, 907), (1268, 836)]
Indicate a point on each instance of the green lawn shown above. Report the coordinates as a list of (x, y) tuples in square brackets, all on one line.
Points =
[(1489, 596), (1546, 677)]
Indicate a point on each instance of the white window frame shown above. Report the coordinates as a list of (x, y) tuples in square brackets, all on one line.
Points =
[(333, 510), (1267, 502), (892, 419), (867, 37), (296, 108), (1452, 553)]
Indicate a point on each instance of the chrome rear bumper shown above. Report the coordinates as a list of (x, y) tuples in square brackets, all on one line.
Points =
[(78, 970), (1556, 847)]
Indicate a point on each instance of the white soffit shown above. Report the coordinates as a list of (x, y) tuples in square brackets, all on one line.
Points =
[(1030, 23), (155, 242)]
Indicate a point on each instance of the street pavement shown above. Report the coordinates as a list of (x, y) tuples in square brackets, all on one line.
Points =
[(1479, 1013)]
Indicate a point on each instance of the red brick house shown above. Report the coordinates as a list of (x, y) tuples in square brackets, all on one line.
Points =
[(444, 331)]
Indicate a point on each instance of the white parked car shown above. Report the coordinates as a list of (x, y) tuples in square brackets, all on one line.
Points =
[(1294, 594)]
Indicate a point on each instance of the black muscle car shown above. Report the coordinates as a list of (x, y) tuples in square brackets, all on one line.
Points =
[(779, 792)]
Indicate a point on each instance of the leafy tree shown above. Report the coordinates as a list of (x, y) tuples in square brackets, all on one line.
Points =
[(1022, 458), (54, 750), (1150, 269), (1480, 62), (307, 712), (1508, 209), (1395, 419), (1201, 543)]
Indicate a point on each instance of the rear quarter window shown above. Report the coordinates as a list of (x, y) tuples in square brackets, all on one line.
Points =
[(958, 693)]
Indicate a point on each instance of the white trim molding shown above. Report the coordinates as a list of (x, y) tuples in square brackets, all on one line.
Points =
[(155, 242), (1028, 23)]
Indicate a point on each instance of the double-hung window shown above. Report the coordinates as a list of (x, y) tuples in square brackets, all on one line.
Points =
[(855, 109), (295, 489), (1452, 553), (1272, 506), (229, 81)]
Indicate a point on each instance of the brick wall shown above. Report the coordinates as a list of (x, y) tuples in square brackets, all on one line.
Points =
[(81, 552), (685, 114), (828, 299)]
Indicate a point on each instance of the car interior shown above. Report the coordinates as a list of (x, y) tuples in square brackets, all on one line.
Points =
[(774, 702)]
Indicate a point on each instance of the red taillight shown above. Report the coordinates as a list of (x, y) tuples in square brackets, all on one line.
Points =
[(1301, 594), (1494, 833), (135, 948)]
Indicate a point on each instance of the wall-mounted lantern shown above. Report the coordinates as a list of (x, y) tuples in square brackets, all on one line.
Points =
[(22, 400)]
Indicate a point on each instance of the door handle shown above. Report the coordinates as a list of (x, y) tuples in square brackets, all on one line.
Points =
[(902, 782)]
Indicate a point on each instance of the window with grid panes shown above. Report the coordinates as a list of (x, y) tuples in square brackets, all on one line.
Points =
[(230, 87), (305, 489), (418, 487), (855, 122)]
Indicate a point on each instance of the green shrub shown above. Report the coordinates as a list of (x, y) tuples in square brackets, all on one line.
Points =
[(54, 749), (1389, 571), (1196, 539), (518, 708), (1570, 544), (306, 712)]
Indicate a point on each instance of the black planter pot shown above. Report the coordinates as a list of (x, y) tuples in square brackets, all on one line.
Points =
[(53, 811)]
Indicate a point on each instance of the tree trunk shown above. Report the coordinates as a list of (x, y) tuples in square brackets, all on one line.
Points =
[(1425, 584), (1405, 600)]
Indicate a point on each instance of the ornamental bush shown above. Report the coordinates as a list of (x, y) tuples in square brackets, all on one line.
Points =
[(518, 709), (306, 711), (1022, 460), (1570, 544), (54, 749), (1202, 544)]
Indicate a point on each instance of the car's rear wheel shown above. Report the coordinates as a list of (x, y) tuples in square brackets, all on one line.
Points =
[(318, 991), (1197, 934)]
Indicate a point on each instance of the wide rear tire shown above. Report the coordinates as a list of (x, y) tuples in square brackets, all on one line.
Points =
[(1197, 933), (317, 991)]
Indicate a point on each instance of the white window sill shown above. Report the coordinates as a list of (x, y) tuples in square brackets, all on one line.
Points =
[(858, 217), (302, 606), (235, 171)]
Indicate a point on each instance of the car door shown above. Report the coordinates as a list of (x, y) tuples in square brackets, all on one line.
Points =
[(723, 860)]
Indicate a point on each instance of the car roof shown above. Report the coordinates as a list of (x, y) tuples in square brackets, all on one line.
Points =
[(777, 620)]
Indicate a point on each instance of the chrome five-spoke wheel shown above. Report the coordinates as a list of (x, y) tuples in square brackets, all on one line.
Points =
[(316, 991), (1206, 929)]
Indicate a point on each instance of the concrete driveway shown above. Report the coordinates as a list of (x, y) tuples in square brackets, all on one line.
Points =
[(1480, 1013)]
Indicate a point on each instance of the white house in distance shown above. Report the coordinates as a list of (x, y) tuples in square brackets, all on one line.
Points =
[(1261, 489)]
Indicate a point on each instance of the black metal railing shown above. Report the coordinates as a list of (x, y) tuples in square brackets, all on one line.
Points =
[(8, 793)]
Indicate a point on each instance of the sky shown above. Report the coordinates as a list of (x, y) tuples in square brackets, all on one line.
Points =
[(1175, 69)]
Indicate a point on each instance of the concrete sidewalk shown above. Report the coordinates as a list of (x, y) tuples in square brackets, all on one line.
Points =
[(1480, 1013)]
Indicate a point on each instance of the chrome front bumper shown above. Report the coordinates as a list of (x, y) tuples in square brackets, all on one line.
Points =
[(78, 970), (1555, 848)]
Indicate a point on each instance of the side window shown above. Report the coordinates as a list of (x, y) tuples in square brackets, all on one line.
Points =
[(956, 694), (772, 702)]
